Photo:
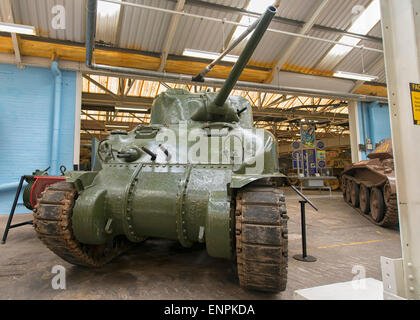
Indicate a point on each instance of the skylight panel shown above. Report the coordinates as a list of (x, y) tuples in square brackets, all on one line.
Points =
[(208, 55), (108, 9), (258, 6), (368, 19), (362, 25), (107, 21)]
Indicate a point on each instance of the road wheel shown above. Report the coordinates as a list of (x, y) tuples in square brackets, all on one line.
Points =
[(343, 186), (355, 194), (348, 191), (377, 205), (52, 221), (388, 194), (364, 196), (334, 184)]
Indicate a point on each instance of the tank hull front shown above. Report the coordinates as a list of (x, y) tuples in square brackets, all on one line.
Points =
[(188, 203)]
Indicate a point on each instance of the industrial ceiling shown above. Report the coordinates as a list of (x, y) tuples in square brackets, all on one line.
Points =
[(301, 50), (142, 37)]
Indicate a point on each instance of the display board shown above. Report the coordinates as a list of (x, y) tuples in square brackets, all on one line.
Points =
[(309, 156)]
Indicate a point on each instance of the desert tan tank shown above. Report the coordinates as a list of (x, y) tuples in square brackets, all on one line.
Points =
[(370, 186)]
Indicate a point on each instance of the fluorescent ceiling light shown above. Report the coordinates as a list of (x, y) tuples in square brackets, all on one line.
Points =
[(17, 28), (116, 126), (131, 109), (208, 55), (257, 6), (362, 25), (355, 76)]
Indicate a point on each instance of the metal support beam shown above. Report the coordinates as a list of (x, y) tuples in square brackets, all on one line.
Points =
[(291, 48), (10, 17), (243, 85), (171, 34), (400, 29), (201, 17), (96, 83), (15, 40), (165, 85), (129, 86), (104, 100), (277, 101), (126, 101), (283, 20), (289, 78), (230, 36), (94, 124), (356, 155), (77, 113), (276, 113)]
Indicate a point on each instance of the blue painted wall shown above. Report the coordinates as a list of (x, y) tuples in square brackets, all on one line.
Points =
[(26, 121), (374, 123)]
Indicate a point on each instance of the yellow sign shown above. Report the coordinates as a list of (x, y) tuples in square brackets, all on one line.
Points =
[(383, 148), (415, 102), (321, 154)]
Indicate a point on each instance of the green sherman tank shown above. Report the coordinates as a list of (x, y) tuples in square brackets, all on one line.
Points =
[(200, 172)]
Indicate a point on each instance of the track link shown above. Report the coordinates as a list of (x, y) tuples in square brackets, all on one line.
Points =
[(52, 223), (390, 219), (391, 215), (261, 238)]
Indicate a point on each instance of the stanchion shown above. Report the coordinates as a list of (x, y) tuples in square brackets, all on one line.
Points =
[(304, 257), (12, 212)]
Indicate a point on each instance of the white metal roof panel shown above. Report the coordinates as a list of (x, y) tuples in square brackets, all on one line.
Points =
[(39, 13)]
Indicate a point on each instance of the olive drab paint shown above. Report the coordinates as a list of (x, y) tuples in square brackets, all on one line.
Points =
[(175, 178)]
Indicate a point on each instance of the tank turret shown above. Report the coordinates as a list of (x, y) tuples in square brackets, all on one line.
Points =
[(217, 109), (383, 150)]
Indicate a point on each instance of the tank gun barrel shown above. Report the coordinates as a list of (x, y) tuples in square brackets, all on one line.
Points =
[(246, 54)]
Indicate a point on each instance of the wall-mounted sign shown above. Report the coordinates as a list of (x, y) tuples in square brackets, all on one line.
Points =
[(415, 102), (321, 154), (295, 145), (322, 164)]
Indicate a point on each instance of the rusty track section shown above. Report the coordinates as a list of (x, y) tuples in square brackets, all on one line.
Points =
[(390, 219), (52, 223), (261, 238)]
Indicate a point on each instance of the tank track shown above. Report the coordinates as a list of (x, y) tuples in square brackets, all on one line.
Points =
[(52, 223), (390, 219), (391, 215), (261, 238)]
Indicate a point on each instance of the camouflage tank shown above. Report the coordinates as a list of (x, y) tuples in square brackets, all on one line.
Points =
[(151, 185), (370, 187)]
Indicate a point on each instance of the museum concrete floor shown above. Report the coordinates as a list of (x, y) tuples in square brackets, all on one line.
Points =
[(338, 236)]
